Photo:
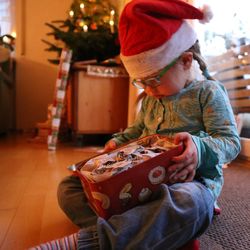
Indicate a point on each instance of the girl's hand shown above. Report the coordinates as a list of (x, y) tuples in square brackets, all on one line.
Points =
[(110, 145), (184, 167)]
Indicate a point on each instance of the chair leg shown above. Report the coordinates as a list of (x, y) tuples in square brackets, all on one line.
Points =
[(191, 245), (217, 211)]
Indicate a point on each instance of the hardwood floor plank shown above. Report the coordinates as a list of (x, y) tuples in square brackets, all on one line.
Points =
[(29, 176), (25, 228), (6, 217), (59, 226), (11, 191)]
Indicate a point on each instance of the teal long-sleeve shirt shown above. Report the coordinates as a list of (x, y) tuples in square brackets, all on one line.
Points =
[(202, 109)]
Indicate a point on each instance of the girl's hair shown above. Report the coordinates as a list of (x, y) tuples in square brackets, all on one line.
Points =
[(195, 49)]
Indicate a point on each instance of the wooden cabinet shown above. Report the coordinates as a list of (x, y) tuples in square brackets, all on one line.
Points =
[(100, 104)]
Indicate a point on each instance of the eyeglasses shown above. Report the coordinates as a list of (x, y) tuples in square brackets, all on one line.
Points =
[(155, 81)]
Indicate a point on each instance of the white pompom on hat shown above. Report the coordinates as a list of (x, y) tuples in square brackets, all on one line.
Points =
[(153, 33)]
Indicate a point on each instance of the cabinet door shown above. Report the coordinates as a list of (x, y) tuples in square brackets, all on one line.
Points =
[(100, 103)]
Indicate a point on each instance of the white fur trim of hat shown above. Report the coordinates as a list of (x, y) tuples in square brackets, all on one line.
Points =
[(151, 61)]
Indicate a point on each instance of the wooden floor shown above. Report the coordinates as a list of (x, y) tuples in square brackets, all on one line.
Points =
[(29, 175)]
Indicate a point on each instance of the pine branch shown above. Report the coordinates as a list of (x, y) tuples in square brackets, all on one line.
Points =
[(53, 27), (49, 43), (58, 21)]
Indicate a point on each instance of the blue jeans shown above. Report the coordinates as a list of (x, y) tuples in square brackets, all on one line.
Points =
[(182, 212)]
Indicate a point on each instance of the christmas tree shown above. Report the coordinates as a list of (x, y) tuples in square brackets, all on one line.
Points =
[(90, 31)]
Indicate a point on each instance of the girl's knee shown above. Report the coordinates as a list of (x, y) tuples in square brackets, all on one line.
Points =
[(67, 189)]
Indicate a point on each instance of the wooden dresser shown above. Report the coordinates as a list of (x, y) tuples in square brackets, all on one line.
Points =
[(100, 104)]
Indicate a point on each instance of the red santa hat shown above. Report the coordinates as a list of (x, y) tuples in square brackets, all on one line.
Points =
[(153, 33)]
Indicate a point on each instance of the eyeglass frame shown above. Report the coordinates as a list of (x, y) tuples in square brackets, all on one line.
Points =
[(156, 79)]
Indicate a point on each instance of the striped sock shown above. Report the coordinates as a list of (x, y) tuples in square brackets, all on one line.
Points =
[(65, 243)]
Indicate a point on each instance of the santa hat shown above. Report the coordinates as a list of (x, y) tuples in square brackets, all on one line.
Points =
[(153, 33)]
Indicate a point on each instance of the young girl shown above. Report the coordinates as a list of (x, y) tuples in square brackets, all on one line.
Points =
[(160, 52)]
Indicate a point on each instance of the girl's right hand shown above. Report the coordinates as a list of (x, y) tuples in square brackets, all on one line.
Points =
[(110, 145), (184, 167)]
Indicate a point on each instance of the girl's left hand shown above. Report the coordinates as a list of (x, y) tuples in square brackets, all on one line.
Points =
[(184, 167)]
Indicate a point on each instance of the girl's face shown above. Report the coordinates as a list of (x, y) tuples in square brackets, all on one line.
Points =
[(174, 80)]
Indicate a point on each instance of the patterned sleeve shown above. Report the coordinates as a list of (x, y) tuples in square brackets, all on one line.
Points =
[(221, 143), (135, 130)]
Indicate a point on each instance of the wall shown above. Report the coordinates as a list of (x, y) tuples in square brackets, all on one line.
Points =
[(35, 76)]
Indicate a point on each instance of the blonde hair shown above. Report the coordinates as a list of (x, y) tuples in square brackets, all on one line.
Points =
[(195, 49)]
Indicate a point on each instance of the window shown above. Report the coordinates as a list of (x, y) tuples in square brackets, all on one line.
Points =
[(5, 17), (230, 26)]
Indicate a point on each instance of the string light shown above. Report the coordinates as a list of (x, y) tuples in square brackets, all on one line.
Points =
[(13, 33), (111, 22), (81, 23), (85, 28), (82, 7), (71, 13)]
